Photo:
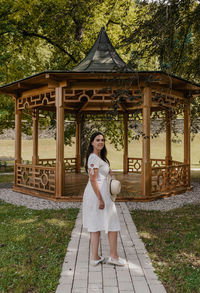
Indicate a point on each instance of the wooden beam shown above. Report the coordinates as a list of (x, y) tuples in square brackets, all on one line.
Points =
[(78, 145), (125, 158), (60, 172), (35, 118), (18, 139), (52, 84), (146, 162), (168, 91), (187, 136), (168, 157)]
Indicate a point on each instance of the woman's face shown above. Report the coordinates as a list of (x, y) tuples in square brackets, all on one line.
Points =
[(98, 143)]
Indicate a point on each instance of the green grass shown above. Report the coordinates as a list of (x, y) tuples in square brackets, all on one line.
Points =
[(47, 149), (173, 242), (32, 247), (6, 178)]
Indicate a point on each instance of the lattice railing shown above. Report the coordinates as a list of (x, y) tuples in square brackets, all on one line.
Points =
[(134, 165), (47, 162), (70, 164), (157, 163), (171, 178), (176, 163), (36, 177)]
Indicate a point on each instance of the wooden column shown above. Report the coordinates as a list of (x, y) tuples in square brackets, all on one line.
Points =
[(187, 136), (78, 144), (35, 118), (125, 159), (168, 157), (18, 138), (146, 162), (60, 172)]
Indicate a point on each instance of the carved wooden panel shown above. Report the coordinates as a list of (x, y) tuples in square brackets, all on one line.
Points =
[(134, 165), (167, 100), (47, 162), (70, 164), (166, 179), (157, 162), (106, 94), (36, 177), (44, 98)]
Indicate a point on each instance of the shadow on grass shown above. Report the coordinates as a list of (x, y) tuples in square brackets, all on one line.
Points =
[(32, 246), (173, 243)]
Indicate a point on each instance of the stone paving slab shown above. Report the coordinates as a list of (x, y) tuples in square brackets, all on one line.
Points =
[(138, 276)]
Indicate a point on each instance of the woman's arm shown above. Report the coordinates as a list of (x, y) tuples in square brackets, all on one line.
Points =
[(93, 173)]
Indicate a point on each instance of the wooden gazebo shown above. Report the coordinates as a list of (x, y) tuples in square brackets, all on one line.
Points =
[(90, 88)]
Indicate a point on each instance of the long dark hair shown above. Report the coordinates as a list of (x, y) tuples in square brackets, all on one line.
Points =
[(103, 152)]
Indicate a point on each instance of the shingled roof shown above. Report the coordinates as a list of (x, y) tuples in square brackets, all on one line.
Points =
[(102, 57)]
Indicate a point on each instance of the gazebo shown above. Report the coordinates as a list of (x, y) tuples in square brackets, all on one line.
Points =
[(90, 88)]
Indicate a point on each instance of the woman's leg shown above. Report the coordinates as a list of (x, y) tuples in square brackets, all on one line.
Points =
[(112, 237), (94, 240)]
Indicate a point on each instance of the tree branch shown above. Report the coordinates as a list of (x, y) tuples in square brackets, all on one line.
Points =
[(29, 34)]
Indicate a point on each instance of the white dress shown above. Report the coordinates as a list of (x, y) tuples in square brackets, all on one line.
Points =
[(95, 219)]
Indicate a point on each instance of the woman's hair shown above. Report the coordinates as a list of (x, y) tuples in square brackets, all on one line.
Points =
[(103, 152)]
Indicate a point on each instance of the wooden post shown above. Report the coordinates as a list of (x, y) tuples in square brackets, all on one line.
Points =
[(187, 137), (146, 162), (60, 172), (18, 138), (125, 161), (168, 157), (35, 118), (78, 143)]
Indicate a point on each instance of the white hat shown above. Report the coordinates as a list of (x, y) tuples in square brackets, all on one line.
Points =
[(114, 186)]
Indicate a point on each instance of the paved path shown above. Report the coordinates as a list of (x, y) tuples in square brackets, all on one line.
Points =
[(78, 276)]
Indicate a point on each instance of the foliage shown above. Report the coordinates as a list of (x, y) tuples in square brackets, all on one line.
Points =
[(33, 245), (169, 32), (172, 241), (149, 35)]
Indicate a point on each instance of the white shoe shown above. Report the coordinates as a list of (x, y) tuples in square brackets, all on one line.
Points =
[(96, 262), (118, 262)]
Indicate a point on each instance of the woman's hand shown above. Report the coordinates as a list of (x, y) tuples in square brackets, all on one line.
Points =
[(101, 204)]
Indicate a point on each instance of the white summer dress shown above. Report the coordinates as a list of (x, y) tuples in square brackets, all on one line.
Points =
[(95, 219)]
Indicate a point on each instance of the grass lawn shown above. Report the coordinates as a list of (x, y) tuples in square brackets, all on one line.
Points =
[(173, 242), (47, 149), (6, 178), (32, 247)]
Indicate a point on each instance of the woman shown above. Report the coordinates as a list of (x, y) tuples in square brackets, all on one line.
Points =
[(99, 211)]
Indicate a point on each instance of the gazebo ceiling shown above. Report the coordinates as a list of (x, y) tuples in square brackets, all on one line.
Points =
[(100, 65)]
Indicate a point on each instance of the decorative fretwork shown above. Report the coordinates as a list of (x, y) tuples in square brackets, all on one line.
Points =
[(169, 179), (157, 162), (32, 101), (36, 177), (167, 100), (47, 162), (70, 164), (134, 165), (96, 95)]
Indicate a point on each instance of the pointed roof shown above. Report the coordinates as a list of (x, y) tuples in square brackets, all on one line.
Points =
[(102, 57)]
